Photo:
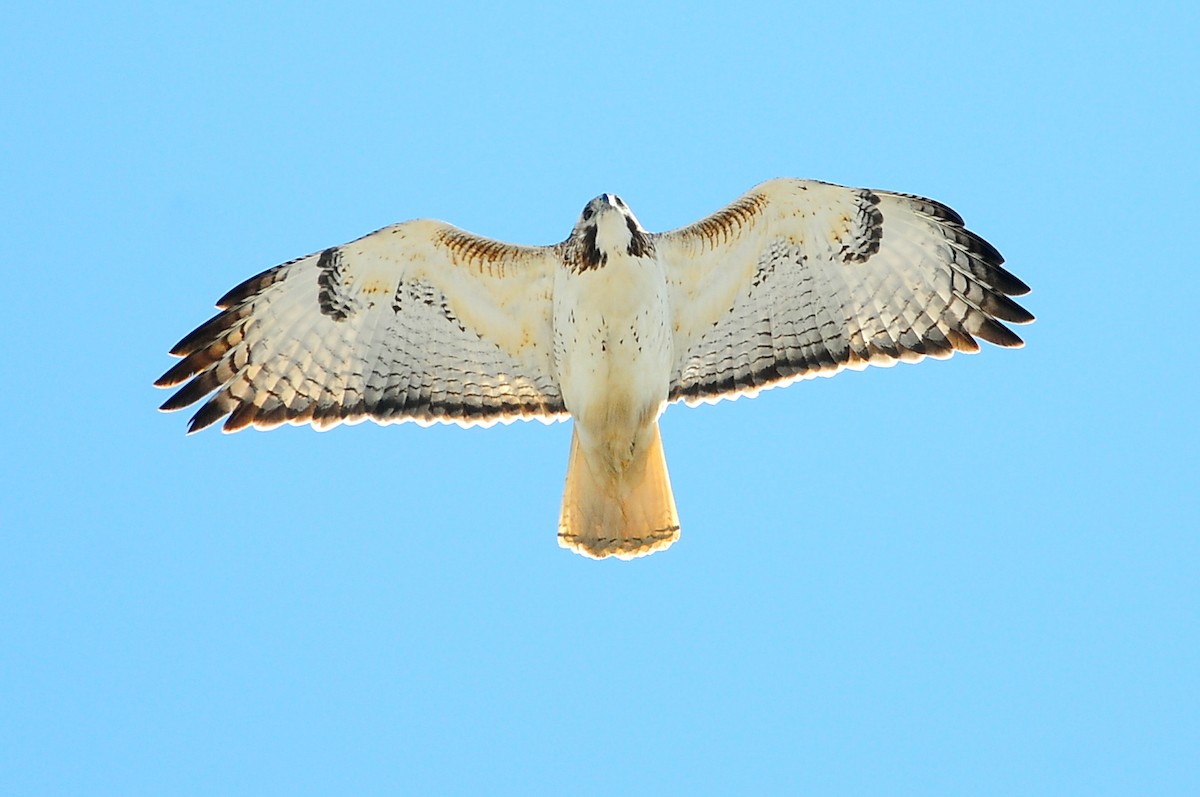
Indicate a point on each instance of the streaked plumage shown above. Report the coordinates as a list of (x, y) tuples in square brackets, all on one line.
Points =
[(422, 321)]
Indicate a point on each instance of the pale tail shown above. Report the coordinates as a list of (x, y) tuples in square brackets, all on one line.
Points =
[(627, 515)]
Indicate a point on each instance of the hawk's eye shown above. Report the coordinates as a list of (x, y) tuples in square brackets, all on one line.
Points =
[(587, 212)]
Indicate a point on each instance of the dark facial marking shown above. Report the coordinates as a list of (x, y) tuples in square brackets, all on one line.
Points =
[(590, 255), (639, 243)]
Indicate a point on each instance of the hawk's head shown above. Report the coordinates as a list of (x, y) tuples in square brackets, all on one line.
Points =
[(607, 227)]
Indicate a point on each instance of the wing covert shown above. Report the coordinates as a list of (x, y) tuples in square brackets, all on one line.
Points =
[(418, 321), (800, 278)]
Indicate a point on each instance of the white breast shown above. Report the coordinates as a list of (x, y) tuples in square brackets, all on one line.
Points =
[(613, 349)]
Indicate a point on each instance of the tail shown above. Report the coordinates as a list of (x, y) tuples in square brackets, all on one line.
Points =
[(627, 514)]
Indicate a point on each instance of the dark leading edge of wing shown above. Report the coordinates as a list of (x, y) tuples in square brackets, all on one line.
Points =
[(420, 364), (821, 343)]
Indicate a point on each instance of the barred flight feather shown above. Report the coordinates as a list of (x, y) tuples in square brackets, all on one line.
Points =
[(425, 322)]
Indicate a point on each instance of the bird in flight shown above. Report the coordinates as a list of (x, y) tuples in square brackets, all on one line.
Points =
[(424, 322)]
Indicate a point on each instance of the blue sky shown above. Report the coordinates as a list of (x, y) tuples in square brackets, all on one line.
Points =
[(965, 577)]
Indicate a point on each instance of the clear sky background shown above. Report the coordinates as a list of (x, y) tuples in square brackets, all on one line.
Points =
[(967, 577)]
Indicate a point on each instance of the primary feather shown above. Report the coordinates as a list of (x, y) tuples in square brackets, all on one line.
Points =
[(424, 322)]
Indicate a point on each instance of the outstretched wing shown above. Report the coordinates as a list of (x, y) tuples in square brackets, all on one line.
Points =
[(419, 321), (800, 278)]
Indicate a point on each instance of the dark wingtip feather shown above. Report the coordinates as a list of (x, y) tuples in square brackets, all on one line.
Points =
[(178, 373), (996, 333), (982, 248), (240, 418), (271, 417), (168, 379), (213, 410), (1005, 309), (931, 207), (961, 340), (193, 391), (208, 332), (252, 287), (1005, 281), (993, 272)]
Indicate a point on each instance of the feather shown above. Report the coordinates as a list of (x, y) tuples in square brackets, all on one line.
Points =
[(424, 322)]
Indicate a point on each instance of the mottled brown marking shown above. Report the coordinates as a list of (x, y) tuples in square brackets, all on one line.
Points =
[(866, 234), (483, 254), (331, 297), (728, 222)]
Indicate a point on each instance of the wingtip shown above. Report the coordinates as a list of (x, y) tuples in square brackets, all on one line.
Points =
[(996, 333), (1012, 284)]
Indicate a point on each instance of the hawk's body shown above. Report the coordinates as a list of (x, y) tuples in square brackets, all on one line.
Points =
[(613, 347), (421, 321)]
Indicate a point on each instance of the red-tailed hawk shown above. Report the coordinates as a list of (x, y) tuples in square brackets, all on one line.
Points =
[(424, 322)]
